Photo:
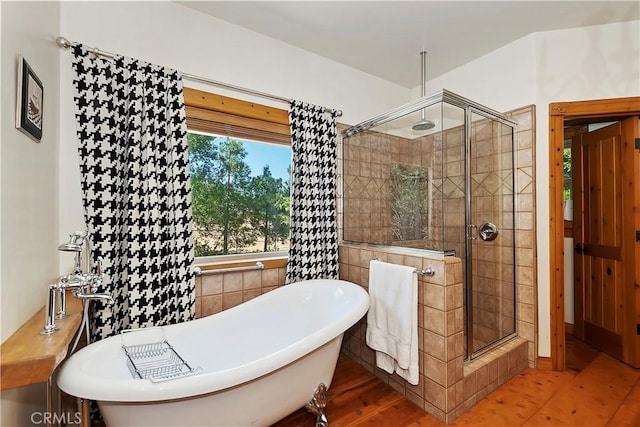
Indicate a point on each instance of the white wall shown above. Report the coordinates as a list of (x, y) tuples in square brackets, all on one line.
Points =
[(594, 62), (29, 185), (502, 80), (175, 36)]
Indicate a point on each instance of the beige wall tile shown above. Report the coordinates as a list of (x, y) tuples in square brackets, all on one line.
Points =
[(212, 284), (436, 394), (439, 277), (198, 308), (455, 396), (454, 371), (526, 313), (525, 257), (434, 320), (231, 282), (269, 277), (210, 305), (482, 377), (525, 275), (394, 258), (251, 294), (231, 299), (251, 279), (469, 385), (454, 296), (282, 275), (198, 285), (435, 369), (526, 294), (526, 330), (434, 296), (415, 399), (434, 345)]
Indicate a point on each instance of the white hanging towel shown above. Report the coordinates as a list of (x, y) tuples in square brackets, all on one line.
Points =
[(392, 321)]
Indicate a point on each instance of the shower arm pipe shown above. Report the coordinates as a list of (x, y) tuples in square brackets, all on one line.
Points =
[(64, 44), (423, 81)]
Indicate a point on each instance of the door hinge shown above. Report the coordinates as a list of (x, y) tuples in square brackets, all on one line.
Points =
[(637, 143), (637, 235), (638, 329)]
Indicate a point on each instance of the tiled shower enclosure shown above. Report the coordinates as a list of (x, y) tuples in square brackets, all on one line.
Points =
[(438, 194)]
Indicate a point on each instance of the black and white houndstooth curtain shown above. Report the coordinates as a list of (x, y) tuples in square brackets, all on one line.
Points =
[(313, 252), (136, 189)]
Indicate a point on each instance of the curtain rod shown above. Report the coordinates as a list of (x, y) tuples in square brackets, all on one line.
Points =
[(64, 44)]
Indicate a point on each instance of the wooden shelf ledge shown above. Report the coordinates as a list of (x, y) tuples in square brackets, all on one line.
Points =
[(28, 357)]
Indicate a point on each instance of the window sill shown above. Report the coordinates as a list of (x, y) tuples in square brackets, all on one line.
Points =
[(270, 260)]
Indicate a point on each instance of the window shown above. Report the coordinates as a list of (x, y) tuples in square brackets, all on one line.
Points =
[(240, 159), (566, 170)]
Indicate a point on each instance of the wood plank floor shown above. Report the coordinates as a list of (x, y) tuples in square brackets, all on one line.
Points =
[(596, 390)]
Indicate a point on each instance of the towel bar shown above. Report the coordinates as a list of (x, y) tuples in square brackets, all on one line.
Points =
[(199, 272), (426, 271)]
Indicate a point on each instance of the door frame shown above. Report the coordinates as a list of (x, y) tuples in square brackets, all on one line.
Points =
[(558, 112)]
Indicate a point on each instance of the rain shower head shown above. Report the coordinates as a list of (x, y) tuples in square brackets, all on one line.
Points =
[(423, 124)]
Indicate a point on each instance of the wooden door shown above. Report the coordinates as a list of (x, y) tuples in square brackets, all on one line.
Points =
[(602, 238)]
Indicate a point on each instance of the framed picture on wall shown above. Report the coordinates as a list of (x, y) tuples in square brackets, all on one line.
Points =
[(29, 103)]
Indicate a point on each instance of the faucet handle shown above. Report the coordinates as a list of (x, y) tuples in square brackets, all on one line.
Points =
[(98, 267)]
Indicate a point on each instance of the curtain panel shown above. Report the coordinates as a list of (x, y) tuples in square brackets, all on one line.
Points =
[(136, 189), (313, 252)]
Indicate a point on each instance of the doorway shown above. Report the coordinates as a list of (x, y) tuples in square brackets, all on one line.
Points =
[(599, 110)]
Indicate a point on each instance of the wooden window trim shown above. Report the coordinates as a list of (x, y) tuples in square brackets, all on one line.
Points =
[(217, 114)]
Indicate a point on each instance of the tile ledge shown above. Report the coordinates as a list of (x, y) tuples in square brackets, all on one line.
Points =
[(485, 359)]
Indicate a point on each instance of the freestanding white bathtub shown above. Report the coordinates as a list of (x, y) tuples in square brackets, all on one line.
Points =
[(257, 362)]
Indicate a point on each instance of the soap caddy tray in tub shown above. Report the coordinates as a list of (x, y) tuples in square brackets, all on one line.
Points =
[(156, 360)]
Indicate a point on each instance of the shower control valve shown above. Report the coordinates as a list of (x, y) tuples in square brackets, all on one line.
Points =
[(488, 231)]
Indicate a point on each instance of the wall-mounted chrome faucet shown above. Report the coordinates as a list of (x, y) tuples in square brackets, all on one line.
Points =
[(84, 284)]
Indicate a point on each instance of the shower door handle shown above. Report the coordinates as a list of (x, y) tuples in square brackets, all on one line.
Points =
[(472, 232)]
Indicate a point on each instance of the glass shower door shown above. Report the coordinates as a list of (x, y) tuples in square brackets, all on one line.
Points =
[(490, 233)]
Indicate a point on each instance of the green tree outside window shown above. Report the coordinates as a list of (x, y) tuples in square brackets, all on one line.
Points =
[(233, 210)]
